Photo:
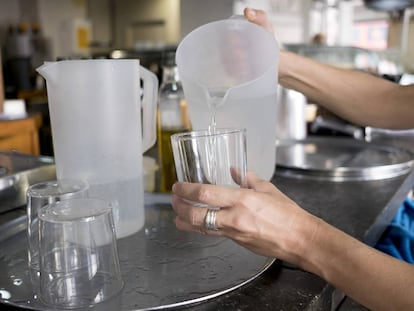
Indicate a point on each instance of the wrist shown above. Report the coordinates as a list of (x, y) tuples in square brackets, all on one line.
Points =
[(287, 70), (306, 241), (283, 62)]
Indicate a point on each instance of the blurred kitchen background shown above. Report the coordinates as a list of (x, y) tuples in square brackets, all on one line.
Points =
[(371, 35)]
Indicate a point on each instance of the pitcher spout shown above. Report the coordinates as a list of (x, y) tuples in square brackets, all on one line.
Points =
[(48, 70)]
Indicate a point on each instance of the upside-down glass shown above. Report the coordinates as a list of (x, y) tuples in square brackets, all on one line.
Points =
[(39, 195), (211, 156), (79, 264)]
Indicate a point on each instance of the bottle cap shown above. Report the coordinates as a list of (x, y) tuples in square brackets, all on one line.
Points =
[(168, 59)]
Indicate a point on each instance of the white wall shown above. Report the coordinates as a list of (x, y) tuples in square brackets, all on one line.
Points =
[(195, 13), (9, 11), (28, 10), (53, 14), (345, 22), (50, 14), (9, 15), (139, 21), (100, 12)]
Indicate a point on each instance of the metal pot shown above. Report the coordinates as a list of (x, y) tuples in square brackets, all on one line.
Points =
[(291, 120)]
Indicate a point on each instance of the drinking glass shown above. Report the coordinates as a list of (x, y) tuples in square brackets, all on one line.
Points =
[(39, 195), (79, 264), (211, 156)]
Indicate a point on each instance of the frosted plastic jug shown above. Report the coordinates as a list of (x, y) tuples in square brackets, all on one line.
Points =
[(229, 71), (95, 113)]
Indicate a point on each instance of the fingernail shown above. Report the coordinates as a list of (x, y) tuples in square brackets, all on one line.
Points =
[(173, 187), (251, 12)]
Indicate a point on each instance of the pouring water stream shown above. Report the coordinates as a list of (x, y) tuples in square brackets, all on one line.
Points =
[(216, 99)]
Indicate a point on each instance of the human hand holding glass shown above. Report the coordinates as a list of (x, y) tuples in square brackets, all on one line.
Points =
[(215, 157)]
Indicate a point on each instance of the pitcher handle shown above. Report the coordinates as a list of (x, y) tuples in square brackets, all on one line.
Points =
[(149, 107)]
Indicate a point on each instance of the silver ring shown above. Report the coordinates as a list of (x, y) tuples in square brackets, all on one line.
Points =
[(210, 220)]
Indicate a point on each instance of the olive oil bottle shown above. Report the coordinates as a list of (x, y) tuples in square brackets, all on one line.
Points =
[(172, 118)]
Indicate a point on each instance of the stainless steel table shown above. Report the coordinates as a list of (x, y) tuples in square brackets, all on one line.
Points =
[(161, 266)]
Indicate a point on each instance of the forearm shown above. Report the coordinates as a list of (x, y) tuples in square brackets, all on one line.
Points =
[(370, 277), (355, 96)]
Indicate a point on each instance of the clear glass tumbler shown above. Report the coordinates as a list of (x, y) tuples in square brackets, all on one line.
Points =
[(79, 264), (211, 156), (39, 195)]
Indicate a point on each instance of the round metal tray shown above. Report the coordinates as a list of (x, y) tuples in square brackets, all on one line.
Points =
[(341, 159), (161, 266)]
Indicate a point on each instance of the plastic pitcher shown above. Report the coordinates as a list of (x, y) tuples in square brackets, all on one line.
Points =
[(95, 112), (229, 71)]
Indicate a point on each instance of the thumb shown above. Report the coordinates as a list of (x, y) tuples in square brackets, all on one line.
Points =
[(256, 183), (260, 185)]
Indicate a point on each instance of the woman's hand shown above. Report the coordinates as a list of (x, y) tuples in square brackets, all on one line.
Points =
[(260, 218), (267, 222)]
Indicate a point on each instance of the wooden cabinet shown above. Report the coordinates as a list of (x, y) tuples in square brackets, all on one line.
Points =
[(21, 134)]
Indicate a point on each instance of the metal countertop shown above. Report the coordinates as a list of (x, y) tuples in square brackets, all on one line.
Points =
[(361, 208)]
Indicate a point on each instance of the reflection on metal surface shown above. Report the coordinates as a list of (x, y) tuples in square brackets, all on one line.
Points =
[(162, 267), (4, 294), (291, 122), (341, 159), (17, 172), (373, 134)]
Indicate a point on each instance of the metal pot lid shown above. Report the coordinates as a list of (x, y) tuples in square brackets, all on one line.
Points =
[(341, 159)]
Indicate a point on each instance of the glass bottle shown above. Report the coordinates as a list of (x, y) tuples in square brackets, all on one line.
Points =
[(172, 118)]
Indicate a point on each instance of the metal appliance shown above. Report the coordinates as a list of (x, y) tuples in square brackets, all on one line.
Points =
[(17, 172), (389, 5)]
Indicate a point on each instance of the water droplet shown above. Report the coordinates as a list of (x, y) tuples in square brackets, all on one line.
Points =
[(4, 294)]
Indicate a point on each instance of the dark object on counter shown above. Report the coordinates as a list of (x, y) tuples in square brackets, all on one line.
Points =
[(17, 172), (392, 77), (389, 5), (328, 126), (20, 73)]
